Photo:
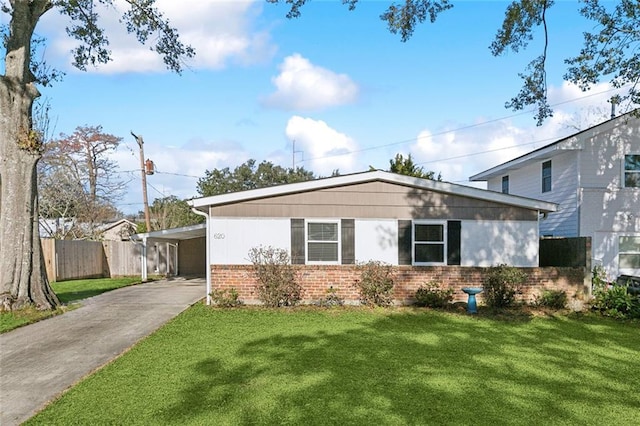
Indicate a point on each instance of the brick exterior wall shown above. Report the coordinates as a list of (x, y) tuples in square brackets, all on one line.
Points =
[(316, 279)]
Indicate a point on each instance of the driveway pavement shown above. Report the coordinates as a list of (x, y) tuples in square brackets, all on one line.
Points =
[(41, 360)]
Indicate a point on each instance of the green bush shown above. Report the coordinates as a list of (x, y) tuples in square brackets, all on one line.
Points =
[(554, 299), (375, 284), (432, 296), (613, 300), (225, 298), (332, 298), (501, 285), (277, 280)]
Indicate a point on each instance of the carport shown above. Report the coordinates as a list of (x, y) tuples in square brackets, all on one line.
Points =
[(173, 252)]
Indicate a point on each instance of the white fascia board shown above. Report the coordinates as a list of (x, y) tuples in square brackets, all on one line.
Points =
[(449, 188), (184, 233)]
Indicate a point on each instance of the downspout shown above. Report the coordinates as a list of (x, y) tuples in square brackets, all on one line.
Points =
[(208, 255)]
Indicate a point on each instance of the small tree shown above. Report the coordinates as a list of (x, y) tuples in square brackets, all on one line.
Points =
[(277, 279), (501, 285), (375, 284)]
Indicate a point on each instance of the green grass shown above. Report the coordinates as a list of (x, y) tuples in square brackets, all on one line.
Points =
[(359, 366), (68, 292)]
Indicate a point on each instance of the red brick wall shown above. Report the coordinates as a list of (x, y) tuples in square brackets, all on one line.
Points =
[(316, 279)]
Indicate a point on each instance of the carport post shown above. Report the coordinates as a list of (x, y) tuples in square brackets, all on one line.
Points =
[(207, 251), (143, 259)]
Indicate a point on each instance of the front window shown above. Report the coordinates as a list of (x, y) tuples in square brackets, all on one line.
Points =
[(632, 171), (546, 176), (505, 184), (629, 253), (323, 242), (428, 243)]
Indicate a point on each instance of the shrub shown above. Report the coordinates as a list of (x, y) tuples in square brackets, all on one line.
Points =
[(432, 296), (375, 284), (554, 299), (331, 299), (225, 298), (501, 285), (613, 300), (276, 278)]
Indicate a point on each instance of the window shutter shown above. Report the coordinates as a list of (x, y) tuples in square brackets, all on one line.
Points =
[(404, 242), (297, 242), (348, 241), (453, 242)]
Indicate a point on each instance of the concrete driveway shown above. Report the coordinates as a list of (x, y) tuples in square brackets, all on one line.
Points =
[(41, 360)]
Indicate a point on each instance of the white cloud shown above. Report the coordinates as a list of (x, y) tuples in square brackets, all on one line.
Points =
[(304, 86), (322, 147), (220, 31)]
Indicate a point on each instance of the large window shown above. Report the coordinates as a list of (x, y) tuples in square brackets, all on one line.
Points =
[(546, 176), (429, 243), (505, 184), (323, 242), (632, 171), (629, 253)]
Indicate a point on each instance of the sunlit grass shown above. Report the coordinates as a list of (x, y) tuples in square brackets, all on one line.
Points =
[(360, 366)]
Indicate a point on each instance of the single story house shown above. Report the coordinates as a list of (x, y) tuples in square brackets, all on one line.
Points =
[(330, 225)]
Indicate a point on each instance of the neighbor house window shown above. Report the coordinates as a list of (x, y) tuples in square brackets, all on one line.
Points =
[(429, 243), (546, 176), (505, 184), (632, 171), (629, 253), (323, 242)]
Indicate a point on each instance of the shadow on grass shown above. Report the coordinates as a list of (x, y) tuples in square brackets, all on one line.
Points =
[(415, 368)]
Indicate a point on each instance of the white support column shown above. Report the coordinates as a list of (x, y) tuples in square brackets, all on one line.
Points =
[(143, 258)]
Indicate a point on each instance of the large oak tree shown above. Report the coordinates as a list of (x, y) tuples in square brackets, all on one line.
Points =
[(610, 51), (23, 278)]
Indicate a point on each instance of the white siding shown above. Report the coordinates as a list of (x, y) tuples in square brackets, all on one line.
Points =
[(376, 240), (231, 239), (494, 242)]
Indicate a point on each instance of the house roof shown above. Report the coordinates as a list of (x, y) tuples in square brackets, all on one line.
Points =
[(204, 203), (569, 143), (184, 233)]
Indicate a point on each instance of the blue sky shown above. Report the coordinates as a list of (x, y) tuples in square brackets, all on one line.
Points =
[(349, 93)]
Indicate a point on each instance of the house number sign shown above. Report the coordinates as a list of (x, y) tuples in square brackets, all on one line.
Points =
[(218, 236)]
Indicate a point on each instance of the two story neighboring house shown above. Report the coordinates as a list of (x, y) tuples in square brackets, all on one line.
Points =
[(594, 177)]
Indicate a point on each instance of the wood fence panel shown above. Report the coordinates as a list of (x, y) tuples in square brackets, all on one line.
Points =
[(49, 254), (78, 259), (122, 258)]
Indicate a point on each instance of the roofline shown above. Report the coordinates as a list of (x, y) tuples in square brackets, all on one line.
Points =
[(204, 203), (166, 233), (537, 153)]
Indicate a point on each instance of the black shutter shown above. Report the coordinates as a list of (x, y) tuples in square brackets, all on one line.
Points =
[(404, 242), (453, 242), (297, 242), (348, 241)]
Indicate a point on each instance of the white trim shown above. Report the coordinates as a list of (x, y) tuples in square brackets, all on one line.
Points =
[(623, 181), (338, 224), (442, 223), (373, 176)]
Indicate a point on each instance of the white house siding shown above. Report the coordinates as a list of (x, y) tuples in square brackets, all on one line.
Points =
[(232, 238), (527, 182), (487, 243), (376, 240)]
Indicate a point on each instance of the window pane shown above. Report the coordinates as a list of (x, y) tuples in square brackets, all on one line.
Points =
[(505, 184), (323, 252), (632, 162), (323, 232), (546, 176), (629, 244), (429, 253), (429, 233), (632, 180), (631, 261)]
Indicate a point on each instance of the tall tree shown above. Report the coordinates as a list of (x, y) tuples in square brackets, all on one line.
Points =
[(610, 51), (78, 181), (405, 166), (249, 176), (23, 278), (172, 212)]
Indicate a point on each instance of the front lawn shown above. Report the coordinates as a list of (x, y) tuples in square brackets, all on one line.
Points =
[(359, 366), (67, 291)]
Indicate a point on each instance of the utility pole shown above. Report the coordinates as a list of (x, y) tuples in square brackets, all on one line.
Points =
[(144, 181)]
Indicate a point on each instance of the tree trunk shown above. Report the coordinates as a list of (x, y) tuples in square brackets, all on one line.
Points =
[(23, 279)]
